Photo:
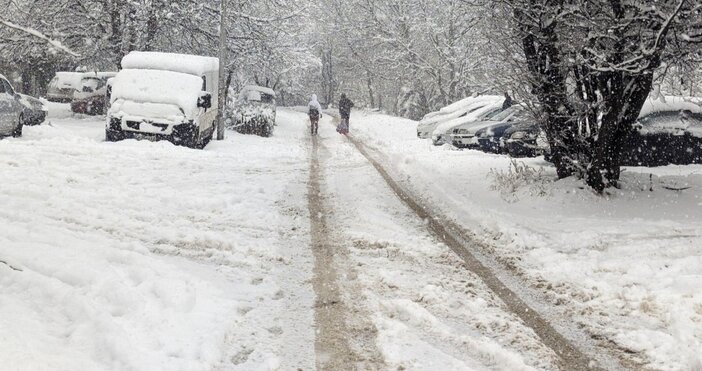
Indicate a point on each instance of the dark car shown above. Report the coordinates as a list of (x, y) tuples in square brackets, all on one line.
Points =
[(525, 140), (665, 137), (34, 111), (466, 135), (491, 138)]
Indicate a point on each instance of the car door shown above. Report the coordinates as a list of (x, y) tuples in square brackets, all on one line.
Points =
[(6, 101), (15, 107)]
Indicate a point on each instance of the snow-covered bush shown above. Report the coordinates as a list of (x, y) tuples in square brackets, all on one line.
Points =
[(252, 111), (518, 176)]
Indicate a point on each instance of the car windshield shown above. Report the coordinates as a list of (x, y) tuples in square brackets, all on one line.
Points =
[(266, 98), (491, 115), (90, 83), (506, 113)]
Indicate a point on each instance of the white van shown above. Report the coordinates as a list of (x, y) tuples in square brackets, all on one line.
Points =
[(164, 96)]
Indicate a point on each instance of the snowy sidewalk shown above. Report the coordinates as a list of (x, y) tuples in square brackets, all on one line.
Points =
[(626, 267)]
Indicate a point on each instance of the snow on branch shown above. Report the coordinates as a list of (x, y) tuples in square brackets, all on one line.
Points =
[(32, 32)]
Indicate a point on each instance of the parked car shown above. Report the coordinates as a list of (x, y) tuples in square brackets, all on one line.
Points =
[(253, 111), (430, 121), (63, 85), (465, 136), (34, 111), (526, 140), (90, 97), (11, 110), (164, 96), (666, 132), (491, 138), (478, 110)]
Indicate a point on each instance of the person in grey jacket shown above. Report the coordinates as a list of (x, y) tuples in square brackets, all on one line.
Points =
[(314, 111)]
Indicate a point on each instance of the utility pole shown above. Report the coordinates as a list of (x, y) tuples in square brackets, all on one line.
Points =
[(222, 68)]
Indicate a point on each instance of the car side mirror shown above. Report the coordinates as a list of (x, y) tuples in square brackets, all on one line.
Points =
[(205, 100)]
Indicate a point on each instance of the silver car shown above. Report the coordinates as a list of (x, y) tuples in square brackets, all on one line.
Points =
[(11, 110)]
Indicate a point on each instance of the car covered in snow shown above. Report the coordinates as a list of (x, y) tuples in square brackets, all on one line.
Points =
[(253, 111), (34, 110), (164, 96), (668, 131), (63, 86), (11, 110), (488, 106), (458, 109), (89, 98)]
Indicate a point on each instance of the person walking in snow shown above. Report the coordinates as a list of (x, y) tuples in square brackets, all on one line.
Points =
[(345, 105), (314, 110)]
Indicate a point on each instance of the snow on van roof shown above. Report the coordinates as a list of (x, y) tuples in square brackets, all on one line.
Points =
[(184, 63), (260, 89), (669, 103)]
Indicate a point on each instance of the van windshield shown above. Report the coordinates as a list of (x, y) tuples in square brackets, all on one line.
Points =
[(159, 87)]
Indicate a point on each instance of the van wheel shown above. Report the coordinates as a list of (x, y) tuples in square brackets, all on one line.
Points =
[(18, 130), (113, 136)]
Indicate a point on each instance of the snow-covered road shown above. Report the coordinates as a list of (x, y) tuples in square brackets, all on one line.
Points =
[(146, 256), (276, 253)]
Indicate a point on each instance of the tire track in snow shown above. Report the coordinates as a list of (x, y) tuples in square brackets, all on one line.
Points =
[(574, 348), (331, 343)]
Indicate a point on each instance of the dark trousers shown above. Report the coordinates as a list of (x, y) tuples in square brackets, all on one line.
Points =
[(315, 124)]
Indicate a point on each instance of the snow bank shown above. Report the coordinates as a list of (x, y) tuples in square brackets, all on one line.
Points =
[(184, 63)]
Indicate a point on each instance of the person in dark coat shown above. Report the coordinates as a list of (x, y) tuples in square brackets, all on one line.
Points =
[(508, 101), (345, 105)]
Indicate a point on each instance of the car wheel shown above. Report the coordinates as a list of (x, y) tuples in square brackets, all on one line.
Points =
[(18, 129)]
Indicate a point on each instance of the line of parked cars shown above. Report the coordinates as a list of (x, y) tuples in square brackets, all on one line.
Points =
[(155, 96), (85, 91), (668, 130)]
